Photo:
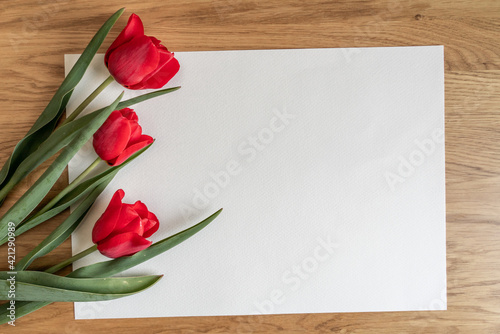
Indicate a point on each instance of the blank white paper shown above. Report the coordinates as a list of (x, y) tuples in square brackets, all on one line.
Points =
[(329, 164)]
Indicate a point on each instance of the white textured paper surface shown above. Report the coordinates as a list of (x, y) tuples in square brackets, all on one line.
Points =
[(329, 164)]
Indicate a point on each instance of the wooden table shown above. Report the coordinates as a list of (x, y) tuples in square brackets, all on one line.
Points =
[(36, 35)]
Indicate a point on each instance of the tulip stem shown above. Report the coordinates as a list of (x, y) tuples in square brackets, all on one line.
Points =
[(72, 259), (89, 99), (6, 189), (66, 190)]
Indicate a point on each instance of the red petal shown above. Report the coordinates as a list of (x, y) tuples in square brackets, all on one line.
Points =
[(132, 61), (149, 220), (133, 28), (135, 128), (152, 216), (129, 114), (126, 217), (157, 43), (112, 137), (143, 142), (150, 228), (123, 245), (136, 226), (135, 133), (106, 223), (168, 66), (140, 208)]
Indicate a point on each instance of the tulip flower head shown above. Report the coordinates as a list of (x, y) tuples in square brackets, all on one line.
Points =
[(137, 61), (123, 228), (119, 137)]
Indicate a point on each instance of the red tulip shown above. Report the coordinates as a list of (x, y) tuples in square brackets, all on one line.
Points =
[(119, 137), (123, 228), (137, 61)]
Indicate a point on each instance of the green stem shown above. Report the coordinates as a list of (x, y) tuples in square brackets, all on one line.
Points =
[(66, 190), (6, 189), (89, 99), (57, 198), (72, 259)]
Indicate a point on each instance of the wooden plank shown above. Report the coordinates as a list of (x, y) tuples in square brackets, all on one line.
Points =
[(36, 35)]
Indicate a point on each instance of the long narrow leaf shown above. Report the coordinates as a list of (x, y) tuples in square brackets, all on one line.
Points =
[(63, 231), (141, 98), (41, 187), (53, 144), (47, 121), (63, 136), (74, 195), (21, 309), (111, 268), (40, 286)]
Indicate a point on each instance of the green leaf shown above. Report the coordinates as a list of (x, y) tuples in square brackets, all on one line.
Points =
[(111, 267), (56, 141), (21, 309), (63, 231), (140, 98), (40, 286), (75, 195), (41, 187), (144, 97), (62, 137), (47, 121)]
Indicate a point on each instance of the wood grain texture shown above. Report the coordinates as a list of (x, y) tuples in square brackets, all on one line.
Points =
[(37, 33)]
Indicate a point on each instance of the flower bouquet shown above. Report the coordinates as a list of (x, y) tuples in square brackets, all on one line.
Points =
[(136, 61)]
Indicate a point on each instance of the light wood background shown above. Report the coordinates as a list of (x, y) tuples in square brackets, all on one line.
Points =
[(35, 34)]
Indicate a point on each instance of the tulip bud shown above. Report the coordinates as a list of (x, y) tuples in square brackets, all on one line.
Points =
[(137, 61), (123, 228), (119, 137)]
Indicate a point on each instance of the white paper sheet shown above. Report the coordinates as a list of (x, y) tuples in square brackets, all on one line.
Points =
[(329, 164)]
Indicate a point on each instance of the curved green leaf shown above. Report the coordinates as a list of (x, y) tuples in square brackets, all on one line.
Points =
[(22, 309), (62, 137), (144, 97), (63, 231), (47, 121), (31, 198), (112, 267), (40, 286), (74, 195)]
